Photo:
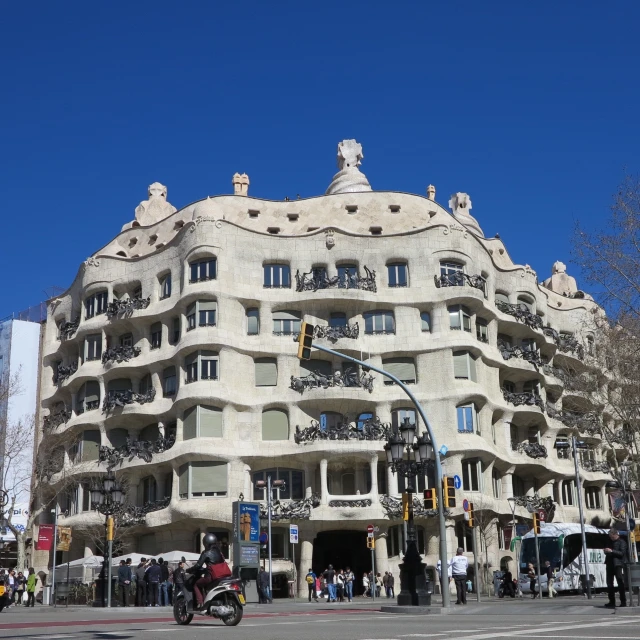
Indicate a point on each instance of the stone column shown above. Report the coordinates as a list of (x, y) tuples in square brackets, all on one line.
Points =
[(381, 553), (373, 470), (74, 403), (507, 485), (392, 482), (324, 489), (306, 558)]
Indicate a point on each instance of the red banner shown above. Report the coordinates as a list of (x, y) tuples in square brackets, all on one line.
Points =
[(45, 537)]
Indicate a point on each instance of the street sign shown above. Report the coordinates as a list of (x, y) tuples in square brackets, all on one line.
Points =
[(542, 515), (293, 533), (264, 538), (370, 530), (465, 504), (444, 450), (457, 483)]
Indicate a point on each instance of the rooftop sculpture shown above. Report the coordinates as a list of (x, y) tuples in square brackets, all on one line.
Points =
[(349, 179), (460, 205), (560, 282), (154, 209)]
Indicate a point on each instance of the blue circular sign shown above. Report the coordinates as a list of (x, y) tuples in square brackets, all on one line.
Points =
[(264, 538), (465, 504), (457, 483)]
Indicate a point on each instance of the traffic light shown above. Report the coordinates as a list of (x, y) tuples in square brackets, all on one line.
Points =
[(470, 521), (448, 492), (430, 499), (405, 506), (536, 523), (371, 543), (305, 338)]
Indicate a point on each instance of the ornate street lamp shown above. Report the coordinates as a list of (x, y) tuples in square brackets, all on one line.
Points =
[(413, 581), (107, 498)]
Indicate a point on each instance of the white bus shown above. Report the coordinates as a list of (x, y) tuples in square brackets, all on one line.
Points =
[(561, 544)]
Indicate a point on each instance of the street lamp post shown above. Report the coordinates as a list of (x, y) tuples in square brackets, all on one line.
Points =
[(270, 485), (413, 587), (107, 497)]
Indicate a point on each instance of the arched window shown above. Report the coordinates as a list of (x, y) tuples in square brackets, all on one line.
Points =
[(202, 421), (201, 270), (169, 382), (398, 416), (88, 397), (96, 304), (398, 274), (330, 420), (467, 418), (459, 318), (165, 286), (425, 321), (275, 425), (402, 368), (253, 321), (277, 276), (202, 313), (379, 322), (202, 479), (526, 303), (150, 433), (90, 449), (118, 437)]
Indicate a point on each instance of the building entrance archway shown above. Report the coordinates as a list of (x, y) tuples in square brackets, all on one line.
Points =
[(342, 549)]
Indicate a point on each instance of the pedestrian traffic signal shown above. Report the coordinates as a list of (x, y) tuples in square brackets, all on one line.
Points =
[(405, 506), (305, 339), (371, 543), (536, 523), (448, 492), (430, 499), (470, 521)]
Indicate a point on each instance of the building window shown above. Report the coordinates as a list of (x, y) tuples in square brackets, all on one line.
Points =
[(459, 318), (425, 321), (165, 286), (88, 397), (398, 416), (347, 276), (117, 437), (202, 365), (482, 330), (464, 536), (156, 335), (96, 304), (175, 331), (402, 368), (501, 297), (149, 490), (169, 382), (591, 345), (277, 276), (397, 273), (293, 484), (266, 372), (253, 322), (452, 272), (467, 418), (529, 344), (275, 425), (93, 347), (379, 322), (525, 303), (202, 479), (564, 450), (518, 486), (201, 313), (464, 366), (593, 497), (587, 455), (90, 448), (126, 340), (202, 270), (496, 482), (330, 420), (509, 386), (531, 386), (202, 422), (286, 323), (568, 492), (472, 475), (338, 320)]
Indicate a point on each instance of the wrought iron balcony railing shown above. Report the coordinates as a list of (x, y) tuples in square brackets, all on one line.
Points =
[(371, 429), (520, 313), (115, 399), (584, 422), (350, 378), (55, 419), (69, 328), (565, 342), (62, 372), (143, 449), (125, 308), (459, 279), (394, 509), (334, 334), (525, 398), (350, 504), (120, 353), (528, 355), (318, 279), (132, 515), (291, 509), (532, 449), (595, 466), (536, 503)]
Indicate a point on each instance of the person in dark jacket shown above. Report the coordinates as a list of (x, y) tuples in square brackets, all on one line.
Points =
[(164, 583), (153, 577), (210, 556), (264, 593), (179, 577), (124, 582), (141, 600), (615, 559)]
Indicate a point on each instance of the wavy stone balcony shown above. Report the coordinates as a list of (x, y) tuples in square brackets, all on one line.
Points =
[(291, 509), (317, 279), (595, 467), (528, 355), (532, 449), (371, 429), (126, 308), (521, 314), (584, 422), (120, 353), (122, 398), (350, 378), (62, 372), (565, 342), (142, 449), (69, 328), (459, 279), (333, 334), (133, 515), (54, 420), (394, 509), (525, 398)]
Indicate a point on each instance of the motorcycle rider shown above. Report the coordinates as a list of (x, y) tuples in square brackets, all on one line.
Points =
[(209, 558)]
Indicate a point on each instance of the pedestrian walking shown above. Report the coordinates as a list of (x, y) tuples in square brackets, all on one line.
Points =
[(348, 583), (32, 580), (20, 586), (141, 583), (264, 592), (330, 577), (390, 586), (378, 585), (153, 576), (340, 585), (531, 574), (311, 584), (124, 582), (365, 584), (615, 557), (551, 578), (459, 567)]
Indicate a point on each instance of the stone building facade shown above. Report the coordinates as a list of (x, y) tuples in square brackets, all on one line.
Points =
[(176, 345)]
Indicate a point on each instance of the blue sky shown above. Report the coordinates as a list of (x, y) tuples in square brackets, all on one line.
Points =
[(531, 108)]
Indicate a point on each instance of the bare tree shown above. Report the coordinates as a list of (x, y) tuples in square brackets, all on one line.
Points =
[(485, 519)]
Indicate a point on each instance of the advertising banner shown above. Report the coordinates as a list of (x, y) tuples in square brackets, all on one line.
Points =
[(64, 538), (246, 534), (45, 537), (616, 500), (248, 521)]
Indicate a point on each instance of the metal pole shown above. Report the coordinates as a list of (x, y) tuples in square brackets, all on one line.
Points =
[(587, 571), (295, 581), (269, 541), (110, 556), (373, 584), (538, 563), (625, 488), (55, 545), (404, 538), (476, 569), (446, 600)]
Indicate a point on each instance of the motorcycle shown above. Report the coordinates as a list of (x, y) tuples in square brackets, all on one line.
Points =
[(224, 601)]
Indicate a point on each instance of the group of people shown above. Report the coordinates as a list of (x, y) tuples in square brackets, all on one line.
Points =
[(151, 583), (335, 585), (15, 585), (378, 584)]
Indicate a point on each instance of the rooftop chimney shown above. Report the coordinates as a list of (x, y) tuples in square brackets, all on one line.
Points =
[(431, 192), (240, 184)]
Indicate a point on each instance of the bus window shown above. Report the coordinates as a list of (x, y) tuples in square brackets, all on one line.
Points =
[(549, 550), (573, 546)]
